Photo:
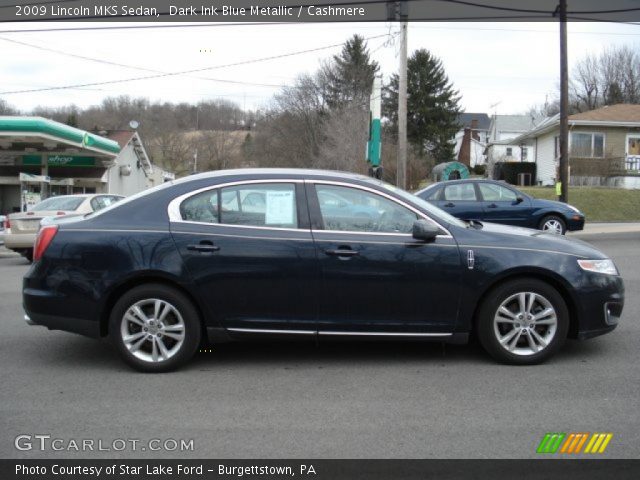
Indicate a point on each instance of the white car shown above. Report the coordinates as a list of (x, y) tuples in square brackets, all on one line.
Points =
[(2, 220), (22, 228)]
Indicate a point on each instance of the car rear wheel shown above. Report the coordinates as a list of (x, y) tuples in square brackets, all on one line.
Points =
[(553, 224), (155, 328), (523, 322)]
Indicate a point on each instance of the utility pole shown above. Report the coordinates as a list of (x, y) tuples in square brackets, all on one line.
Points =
[(402, 108), (564, 104), (399, 11), (195, 161)]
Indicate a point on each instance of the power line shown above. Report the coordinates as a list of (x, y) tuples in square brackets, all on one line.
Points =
[(524, 30), (169, 74), (142, 27), (107, 62)]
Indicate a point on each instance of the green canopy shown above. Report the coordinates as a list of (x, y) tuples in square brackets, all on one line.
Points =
[(57, 130)]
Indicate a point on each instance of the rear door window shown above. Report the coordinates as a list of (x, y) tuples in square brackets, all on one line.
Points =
[(261, 205), (464, 192), (258, 205)]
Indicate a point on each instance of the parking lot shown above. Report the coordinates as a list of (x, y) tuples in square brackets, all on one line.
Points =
[(340, 400)]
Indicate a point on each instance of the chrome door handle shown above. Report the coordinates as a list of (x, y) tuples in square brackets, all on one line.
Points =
[(342, 252), (204, 247)]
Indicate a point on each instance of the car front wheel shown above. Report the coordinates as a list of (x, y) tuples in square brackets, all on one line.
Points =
[(155, 328), (523, 322), (553, 224)]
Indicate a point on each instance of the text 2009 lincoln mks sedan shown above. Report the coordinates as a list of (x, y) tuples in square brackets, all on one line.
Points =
[(303, 254)]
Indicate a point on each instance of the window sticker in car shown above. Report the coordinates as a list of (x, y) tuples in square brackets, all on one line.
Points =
[(280, 207)]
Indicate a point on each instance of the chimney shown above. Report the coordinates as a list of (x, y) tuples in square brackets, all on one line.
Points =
[(465, 148), (474, 129)]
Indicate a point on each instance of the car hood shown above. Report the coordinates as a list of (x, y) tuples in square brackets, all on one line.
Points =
[(551, 204), (505, 236)]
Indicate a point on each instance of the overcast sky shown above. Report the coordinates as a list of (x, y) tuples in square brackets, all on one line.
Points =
[(514, 65)]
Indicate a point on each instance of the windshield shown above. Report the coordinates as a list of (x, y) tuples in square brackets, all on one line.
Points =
[(432, 210), (58, 203)]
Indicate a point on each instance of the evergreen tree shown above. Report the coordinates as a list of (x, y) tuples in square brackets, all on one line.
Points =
[(432, 106), (350, 76)]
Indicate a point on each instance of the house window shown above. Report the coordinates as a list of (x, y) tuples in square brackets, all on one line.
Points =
[(556, 146), (509, 151), (633, 153), (587, 145), (524, 153)]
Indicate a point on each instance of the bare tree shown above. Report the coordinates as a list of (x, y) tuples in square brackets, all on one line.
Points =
[(346, 132), (173, 151), (219, 149), (606, 79), (6, 109)]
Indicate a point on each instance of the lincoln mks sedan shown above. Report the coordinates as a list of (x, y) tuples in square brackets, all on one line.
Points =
[(310, 255)]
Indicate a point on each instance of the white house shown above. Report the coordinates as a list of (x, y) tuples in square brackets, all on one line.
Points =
[(604, 147), (504, 143)]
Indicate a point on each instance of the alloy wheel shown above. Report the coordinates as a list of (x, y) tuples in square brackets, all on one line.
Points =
[(553, 226), (525, 323), (152, 330)]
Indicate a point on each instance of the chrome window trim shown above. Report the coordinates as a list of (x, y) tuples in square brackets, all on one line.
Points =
[(173, 209), (419, 213), (209, 234), (119, 230), (256, 227)]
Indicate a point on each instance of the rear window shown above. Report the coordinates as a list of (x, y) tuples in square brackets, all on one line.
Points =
[(59, 203)]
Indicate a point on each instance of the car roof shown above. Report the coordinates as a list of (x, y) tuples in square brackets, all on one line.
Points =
[(266, 172), (466, 180)]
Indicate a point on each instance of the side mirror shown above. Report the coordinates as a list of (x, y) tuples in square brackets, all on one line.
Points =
[(519, 200), (425, 231)]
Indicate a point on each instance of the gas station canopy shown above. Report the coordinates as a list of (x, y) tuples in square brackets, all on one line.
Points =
[(17, 132), (41, 157)]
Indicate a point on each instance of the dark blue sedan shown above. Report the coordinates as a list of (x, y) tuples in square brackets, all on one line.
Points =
[(498, 202), (310, 255)]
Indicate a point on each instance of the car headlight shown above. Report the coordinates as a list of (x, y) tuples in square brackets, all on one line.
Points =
[(572, 208), (599, 266)]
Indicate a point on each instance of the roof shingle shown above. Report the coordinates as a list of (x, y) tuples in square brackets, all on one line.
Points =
[(613, 113)]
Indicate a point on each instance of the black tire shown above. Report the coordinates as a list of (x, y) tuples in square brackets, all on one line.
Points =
[(186, 312), (553, 219), (28, 254), (487, 330)]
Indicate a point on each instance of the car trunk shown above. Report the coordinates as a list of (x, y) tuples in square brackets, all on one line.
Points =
[(30, 222)]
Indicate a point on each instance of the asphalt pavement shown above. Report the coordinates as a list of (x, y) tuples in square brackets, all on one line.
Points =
[(341, 400)]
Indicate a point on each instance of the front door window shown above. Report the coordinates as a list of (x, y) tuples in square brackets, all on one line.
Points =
[(633, 153)]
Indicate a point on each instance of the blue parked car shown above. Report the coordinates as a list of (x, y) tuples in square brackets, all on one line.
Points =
[(498, 202)]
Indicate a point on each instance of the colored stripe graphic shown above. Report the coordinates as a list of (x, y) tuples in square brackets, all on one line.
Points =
[(572, 443), (598, 443), (551, 442)]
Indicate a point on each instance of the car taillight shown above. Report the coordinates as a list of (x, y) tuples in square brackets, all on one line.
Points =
[(60, 213), (45, 235)]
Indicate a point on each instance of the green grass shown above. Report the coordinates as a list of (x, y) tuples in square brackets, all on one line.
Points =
[(597, 203)]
